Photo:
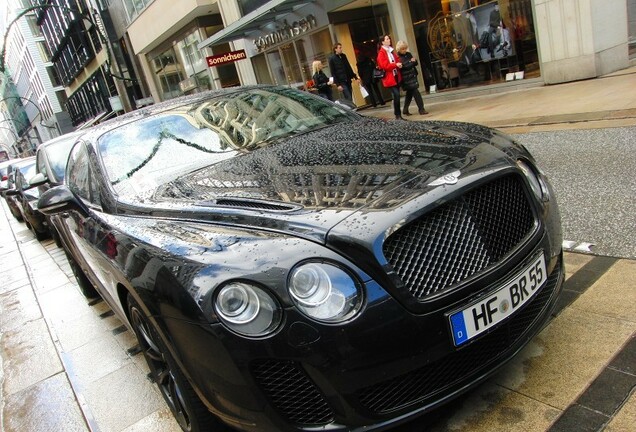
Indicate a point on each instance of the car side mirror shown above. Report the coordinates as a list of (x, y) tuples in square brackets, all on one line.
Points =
[(38, 180), (60, 199)]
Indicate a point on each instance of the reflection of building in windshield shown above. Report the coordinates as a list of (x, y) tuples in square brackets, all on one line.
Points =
[(239, 121), (250, 118)]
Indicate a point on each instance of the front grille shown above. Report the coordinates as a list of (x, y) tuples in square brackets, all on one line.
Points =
[(291, 392), (425, 382), (460, 238)]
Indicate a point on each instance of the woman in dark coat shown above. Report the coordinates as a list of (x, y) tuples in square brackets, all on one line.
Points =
[(409, 79), (389, 62), (321, 82)]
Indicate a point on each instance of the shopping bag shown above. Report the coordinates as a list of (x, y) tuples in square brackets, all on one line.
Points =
[(364, 92)]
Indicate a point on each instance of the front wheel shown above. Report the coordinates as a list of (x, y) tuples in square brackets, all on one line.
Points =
[(185, 405)]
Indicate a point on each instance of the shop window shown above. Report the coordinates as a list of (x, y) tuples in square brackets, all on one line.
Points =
[(168, 74), (290, 64), (260, 69), (462, 43), (248, 6), (134, 7)]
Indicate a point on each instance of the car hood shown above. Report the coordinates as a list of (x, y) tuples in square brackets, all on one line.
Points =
[(312, 182)]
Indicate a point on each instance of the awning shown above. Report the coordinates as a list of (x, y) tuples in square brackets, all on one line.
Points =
[(272, 11)]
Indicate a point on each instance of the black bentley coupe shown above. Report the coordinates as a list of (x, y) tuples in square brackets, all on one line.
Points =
[(288, 264)]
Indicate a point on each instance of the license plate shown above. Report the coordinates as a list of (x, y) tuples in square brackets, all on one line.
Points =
[(499, 305)]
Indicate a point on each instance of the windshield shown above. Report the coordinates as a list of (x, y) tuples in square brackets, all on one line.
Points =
[(147, 153)]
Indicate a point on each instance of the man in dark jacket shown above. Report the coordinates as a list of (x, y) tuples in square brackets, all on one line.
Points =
[(341, 71)]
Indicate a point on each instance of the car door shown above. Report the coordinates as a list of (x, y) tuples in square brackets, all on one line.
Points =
[(92, 243)]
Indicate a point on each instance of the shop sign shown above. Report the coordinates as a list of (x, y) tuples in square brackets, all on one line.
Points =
[(287, 31), (221, 59)]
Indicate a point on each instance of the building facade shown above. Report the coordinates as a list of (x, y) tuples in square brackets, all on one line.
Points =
[(35, 85), (460, 44), (80, 46)]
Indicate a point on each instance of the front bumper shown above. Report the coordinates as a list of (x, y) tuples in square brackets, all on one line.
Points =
[(382, 369)]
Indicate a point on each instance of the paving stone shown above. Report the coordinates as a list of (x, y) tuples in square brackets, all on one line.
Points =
[(580, 419), (607, 392), (16, 307), (48, 405), (558, 364), (29, 356), (492, 408), (136, 398), (625, 419)]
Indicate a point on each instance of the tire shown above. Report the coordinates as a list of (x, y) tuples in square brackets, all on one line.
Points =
[(16, 214), (55, 236), (186, 407), (86, 287), (40, 235)]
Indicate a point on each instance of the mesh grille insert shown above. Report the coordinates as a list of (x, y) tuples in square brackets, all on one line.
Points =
[(460, 238), (291, 392)]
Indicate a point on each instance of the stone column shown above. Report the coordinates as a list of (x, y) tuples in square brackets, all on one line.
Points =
[(579, 39)]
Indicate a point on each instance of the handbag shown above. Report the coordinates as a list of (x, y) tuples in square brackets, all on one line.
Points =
[(378, 73)]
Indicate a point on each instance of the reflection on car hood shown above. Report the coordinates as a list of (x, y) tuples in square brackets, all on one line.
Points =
[(331, 172)]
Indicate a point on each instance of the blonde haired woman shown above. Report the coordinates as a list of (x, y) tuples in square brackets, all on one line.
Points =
[(409, 78), (320, 80)]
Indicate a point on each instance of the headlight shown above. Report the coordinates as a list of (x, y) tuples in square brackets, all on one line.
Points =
[(537, 184), (247, 309), (324, 292)]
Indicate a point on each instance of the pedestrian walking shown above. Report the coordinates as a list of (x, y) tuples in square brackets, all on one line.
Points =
[(341, 71), (390, 63), (365, 66), (410, 83), (321, 82)]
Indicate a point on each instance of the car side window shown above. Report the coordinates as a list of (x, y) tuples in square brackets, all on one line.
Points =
[(19, 181), (40, 163), (78, 176)]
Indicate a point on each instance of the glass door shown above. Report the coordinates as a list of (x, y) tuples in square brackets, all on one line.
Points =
[(276, 67), (292, 68)]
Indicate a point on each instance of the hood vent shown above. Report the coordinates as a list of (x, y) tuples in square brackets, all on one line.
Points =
[(251, 204)]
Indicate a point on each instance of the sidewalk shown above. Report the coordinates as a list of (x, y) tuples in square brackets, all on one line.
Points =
[(607, 101), (69, 365)]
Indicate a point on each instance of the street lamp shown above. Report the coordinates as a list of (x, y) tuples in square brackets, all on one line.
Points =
[(15, 137), (36, 107)]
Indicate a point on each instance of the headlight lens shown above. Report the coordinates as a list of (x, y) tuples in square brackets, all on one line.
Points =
[(324, 292), (247, 309), (538, 186)]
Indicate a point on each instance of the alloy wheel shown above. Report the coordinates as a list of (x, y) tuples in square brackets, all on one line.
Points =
[(161, 370)]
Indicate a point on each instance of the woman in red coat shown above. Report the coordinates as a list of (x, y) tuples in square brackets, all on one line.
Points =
[(389, 61)]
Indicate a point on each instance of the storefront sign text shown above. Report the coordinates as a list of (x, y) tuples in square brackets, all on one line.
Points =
[(287, 31), (221, 59)]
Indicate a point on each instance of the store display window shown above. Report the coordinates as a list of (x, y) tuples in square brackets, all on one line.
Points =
[(465, 43)]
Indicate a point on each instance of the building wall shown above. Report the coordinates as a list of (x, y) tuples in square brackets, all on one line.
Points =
[(631, 20), (155, 24), (580, 39), (32, 81)]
